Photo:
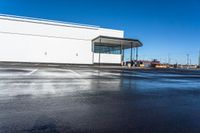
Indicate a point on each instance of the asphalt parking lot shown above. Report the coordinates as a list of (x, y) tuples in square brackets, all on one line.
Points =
[(87, 100)]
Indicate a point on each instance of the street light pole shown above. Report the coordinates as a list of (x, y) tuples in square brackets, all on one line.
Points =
[(188, 60), (199, 58), (169, 60)]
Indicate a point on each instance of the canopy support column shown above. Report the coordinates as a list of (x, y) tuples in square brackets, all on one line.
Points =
[(137, 54), (100, 54), (93, 52), (131, 58), (123, 54)]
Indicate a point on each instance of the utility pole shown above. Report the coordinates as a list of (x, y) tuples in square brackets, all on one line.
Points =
[(169, 59), (188, 56), (199, 58)]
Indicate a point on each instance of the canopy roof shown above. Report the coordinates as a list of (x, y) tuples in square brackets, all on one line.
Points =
[(126, 43)]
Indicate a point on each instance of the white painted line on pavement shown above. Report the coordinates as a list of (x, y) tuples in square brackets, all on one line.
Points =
[(30, 73), (77, 74), (68, 70)]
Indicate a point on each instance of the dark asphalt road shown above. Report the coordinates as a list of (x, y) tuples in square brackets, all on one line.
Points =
[(88, 100)]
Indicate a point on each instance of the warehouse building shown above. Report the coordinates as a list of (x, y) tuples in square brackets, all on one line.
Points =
[(26, 39)]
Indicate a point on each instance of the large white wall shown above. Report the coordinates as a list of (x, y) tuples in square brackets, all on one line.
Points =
[(24, 40), (107, 58)]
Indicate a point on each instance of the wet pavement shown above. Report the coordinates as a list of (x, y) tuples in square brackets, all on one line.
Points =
[(88, 100)]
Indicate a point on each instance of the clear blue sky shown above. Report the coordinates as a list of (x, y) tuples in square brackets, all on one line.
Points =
[(166, 27)]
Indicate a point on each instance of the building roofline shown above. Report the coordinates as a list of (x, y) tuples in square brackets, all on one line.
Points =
[(46, 21)]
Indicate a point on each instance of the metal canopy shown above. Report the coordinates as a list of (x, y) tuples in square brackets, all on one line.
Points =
[(126, 43)]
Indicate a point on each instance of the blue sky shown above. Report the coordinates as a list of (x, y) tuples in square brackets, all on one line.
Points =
[(166, 27)]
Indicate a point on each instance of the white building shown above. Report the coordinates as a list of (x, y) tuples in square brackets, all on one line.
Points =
[(43, 41)]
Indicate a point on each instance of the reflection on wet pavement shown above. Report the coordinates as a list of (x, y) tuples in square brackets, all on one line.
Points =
[(91, 100)]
